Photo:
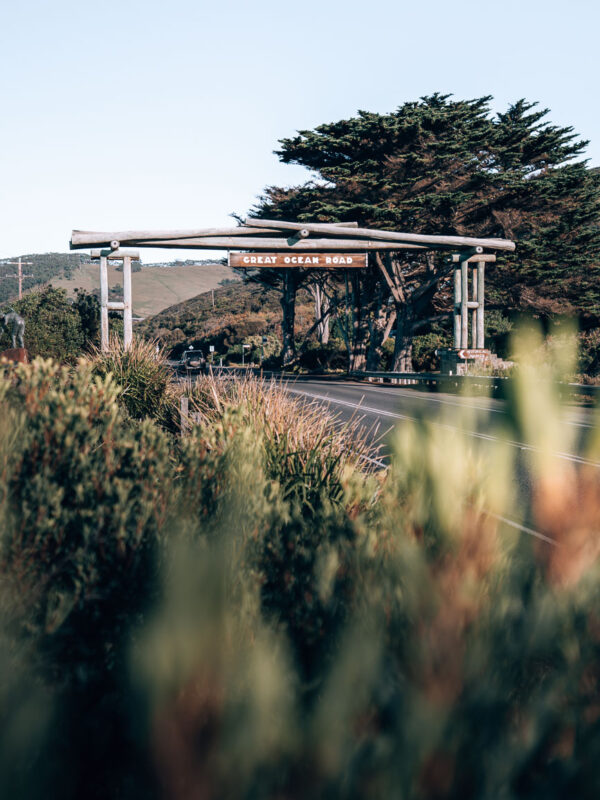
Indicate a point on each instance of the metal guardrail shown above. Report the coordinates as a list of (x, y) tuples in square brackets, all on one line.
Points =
[(447, 382), (433, 380)]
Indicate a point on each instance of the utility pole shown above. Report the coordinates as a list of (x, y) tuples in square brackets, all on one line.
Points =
[(19, 264)]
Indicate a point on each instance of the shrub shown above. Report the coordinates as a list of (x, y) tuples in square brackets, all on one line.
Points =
[(424, 347), (87, 306), (261, 352), (326, 631), (436, 650), (498, 330), (144, 376), (331, 356), (304, 457), (53, 327), (84, 501), (589, 360)]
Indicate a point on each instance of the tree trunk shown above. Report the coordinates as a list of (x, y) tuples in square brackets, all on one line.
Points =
[(374, 349), (324, 327), (288, 306), (403, 345), (379, 327), (322, 306), (358, 359)]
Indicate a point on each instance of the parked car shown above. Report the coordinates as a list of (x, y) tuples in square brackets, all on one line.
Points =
[(192, 362)]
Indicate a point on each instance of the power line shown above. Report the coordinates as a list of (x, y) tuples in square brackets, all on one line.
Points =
[(19, 264)]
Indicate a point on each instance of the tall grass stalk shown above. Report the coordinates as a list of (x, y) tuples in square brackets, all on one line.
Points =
[(257, 616), (303, 441), (148, 389)]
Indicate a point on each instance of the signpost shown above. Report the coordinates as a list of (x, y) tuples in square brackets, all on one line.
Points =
[(294, 260)]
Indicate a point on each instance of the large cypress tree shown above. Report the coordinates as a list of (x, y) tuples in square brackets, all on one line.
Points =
[(449, 166)]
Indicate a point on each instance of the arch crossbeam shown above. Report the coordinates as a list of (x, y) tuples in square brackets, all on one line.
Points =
[(277, 236)]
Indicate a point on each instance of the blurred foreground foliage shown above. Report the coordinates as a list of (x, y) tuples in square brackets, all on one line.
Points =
[(252, 611)]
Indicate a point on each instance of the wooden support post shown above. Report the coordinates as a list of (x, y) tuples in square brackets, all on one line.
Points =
[(457, 296), (104, 304), (127, 313), (184, 417), (480, 306), (474, 312), (464, 308)]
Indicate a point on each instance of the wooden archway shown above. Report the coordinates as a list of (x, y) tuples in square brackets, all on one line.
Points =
[(468, 257)]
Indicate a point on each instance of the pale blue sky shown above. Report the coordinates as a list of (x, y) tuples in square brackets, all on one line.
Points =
[(165, 114)]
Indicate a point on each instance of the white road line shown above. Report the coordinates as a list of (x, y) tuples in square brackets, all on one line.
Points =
[(523, 528), (511, 522), (476, 434), (411, 394), (431, 399)]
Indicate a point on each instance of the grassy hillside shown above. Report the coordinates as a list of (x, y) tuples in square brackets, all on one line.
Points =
[(154, 288), (42, 267), (240, 311)]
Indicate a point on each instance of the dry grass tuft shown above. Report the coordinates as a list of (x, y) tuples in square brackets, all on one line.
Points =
[(144, 375), (299, 430)]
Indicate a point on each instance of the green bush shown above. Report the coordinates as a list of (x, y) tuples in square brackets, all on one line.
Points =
[(145, 379), (433, 651), (424, 347), (85, 496), (84, 501), (589, 359), (53, 326), (498, 329), (259, 351), (331, 356), (322, 630)]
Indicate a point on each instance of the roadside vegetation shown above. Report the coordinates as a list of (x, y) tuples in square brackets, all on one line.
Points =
[(254, 610)]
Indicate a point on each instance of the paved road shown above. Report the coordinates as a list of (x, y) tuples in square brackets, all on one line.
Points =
[(386, 406)]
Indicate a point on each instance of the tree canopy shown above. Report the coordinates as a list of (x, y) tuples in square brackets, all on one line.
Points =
[(446, 166)]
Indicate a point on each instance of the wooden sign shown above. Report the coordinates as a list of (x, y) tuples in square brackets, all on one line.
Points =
[(473, 352), (306, 260)]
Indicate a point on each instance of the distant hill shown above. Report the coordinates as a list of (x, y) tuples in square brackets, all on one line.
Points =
[(240, 311), (44, 268), (154, 288)]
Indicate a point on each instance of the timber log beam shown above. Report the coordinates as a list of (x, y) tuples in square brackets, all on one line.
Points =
[(392, 236)]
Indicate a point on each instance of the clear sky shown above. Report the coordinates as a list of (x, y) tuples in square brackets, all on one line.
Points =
[(165, 114)]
